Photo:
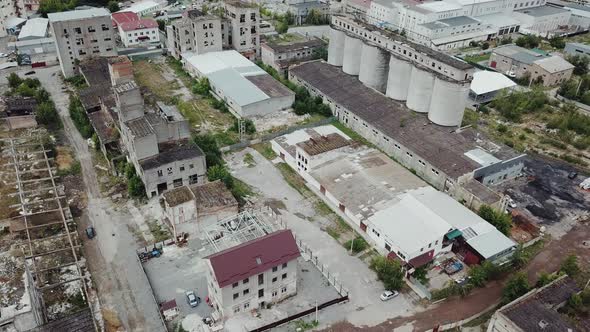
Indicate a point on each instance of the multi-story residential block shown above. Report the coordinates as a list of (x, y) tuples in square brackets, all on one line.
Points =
[(244, 19), (134, 30), (195, 32), (253, 274), (80, 34), (280, 53)]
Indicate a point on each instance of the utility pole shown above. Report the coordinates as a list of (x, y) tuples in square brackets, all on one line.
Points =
[(316, 311), (242, 129), (351, 245)]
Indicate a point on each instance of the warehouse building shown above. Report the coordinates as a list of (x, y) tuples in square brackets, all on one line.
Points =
[(487, 84), (395, 210), (246, 88), (447, 158), (280, 52)]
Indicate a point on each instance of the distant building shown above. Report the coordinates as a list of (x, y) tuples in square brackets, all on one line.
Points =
[(537, 310), (517, 62), (253, 274), (358, 8), (577, 49), (189, 209), (542, 20), (10, 10), (134, 30), (145, 7), (243, 32), (247, 89), (195, 32), (280, 53), (81, 34), (35, 28), (580, 14), (301, 9)]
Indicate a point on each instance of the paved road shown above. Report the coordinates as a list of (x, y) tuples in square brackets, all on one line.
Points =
[(122, 286)]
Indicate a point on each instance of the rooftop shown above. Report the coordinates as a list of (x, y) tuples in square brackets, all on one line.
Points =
[(124, 17), (443, 148), (452, 22), (290, 141), (212, 194), (144, 23), (269, 85), (170, 112), (91, 96), (124, 87), (536, 310), (34, 28), (554, 64), (499, 20), (240, 4), (542, 11), (199, 15), (317, 145), (96, 71), (20, 104), (439, 6), (293, 42), (253, 257), (139, 7), (78, 14), (178, 196), (578, 45), (171, 154), (488, 81), (518, 53), (104, 126), (140, 127)]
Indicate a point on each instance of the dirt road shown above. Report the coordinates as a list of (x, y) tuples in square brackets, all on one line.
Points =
[(549, 260), (122, 286)]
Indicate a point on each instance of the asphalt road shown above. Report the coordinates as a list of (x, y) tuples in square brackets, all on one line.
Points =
[(122, 285)]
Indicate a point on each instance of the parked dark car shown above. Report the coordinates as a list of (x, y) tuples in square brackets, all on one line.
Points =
[(90, 233), (572, 175)]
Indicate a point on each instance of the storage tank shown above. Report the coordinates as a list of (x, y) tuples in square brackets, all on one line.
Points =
[(374, 67), (352, 55), (448, 102), (400, 72), (336, 47), (420, 90)]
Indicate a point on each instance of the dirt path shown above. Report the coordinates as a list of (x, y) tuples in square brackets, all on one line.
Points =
[(122, 286), (480, 299)]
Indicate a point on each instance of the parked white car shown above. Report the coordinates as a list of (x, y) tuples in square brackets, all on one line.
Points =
[(388, 295)]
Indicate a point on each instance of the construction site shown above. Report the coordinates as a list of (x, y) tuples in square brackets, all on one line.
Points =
[(43, 277)]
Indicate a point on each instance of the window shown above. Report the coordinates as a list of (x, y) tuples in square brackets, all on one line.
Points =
[(78, 30), (235, 284), (274, 293), (260, 293), (182, 168), (236, 309), (375, 232), (246, 305), (284, 289), (284, 276), (246, 292), (169, 169), (105, 27), (260, 279), (91, 29), (246, 281), (275, 268), (284, 265), (191, 166), (387, 247), (274, 279), (236, 295)]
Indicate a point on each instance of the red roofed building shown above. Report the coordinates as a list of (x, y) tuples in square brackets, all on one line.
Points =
[(134, 31), (253, 274)]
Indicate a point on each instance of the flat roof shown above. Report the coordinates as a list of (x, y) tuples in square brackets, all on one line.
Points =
[(141, 6), (269, 85), (499, 20), (172, 154), (439, 6), (35, 28), (518, 53), (542, 11), (297, 42), (241, 4), (319, 145), (554, 64), (212, 194), (78, 14), (214, 61), (488, 81), (452, 22), (289, 141), (178, 196), (578, 46), (140, 127), (104, 126), (439, 145)]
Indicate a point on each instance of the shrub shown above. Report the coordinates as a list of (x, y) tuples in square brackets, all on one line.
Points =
[(516, 287), (500, 220), (135, 187), (80, 118), (390, 272), (570, 266), (208, 144)]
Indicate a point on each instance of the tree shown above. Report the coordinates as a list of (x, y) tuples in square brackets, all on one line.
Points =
[(314, 17), (580, 63), (202, 87), (500, 220), (289, 18), (320, 53), (113, 6), (516, 287), (485, 45), (210, 148), (54, 6), (389, 271), (281, 27), (135, 187), (161, 25), (14, 80), (528, 41), (219, 172), (557, 42), (248, 126), (545, 278), (129, 171), (46, 114), (421, 275), (570, 266)]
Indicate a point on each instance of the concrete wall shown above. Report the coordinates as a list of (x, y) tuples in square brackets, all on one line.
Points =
[(180, 214), (245, 35), (131, 38), (501, 171), (130, 104), (81, 39), (550, 79), (224, 297), (267, 106), (207, 35), (151, 178)]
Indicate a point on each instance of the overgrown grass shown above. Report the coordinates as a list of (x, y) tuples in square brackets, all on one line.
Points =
[(265, 149), (160, 233), (358, 244), (294, 180), (351, 133), (478, 57), (249, 160)]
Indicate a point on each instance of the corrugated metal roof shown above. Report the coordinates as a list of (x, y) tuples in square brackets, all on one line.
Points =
[(236, 87), (488, 81), (78, 14), (490, 243), (34, 28), (554, 64)]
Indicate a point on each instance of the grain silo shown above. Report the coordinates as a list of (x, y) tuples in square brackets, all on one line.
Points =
[(374, 67)]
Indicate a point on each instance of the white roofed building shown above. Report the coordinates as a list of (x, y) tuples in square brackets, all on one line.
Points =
[(145, 7), (35, 28), (246, 88), (487, 84)]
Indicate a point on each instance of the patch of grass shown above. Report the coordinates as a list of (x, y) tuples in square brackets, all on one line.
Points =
[(482, 319), (294, 180), (226, 138), (322, 208), (350, 133), (160, 233), (333, 232), (358, 244), (241, 189), (478, 57), (249, 160), (470, 117), (265, 149), (74, 169), (149, 75), (303, 325)]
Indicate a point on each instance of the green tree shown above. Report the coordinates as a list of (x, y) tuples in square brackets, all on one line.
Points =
[(320, 53), (202, 87), (557, 42), (580, 63), (161, 25), (314, 17), (289, 18), (570, 266), (54, 6), (129, 171), (545, 278), (41, 96), (502, 221), (389, 271), (516, 287), (14, 80), (113, 6), (248, 126), (46, 114), (135, 187), (80, 118), (281, 27), (219, 172), (485, 45), (421, 275), (208, 144)]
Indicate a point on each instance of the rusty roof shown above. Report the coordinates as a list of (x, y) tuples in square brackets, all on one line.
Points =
[(253, 257), (212, 194), (321, 144), (178, 196)]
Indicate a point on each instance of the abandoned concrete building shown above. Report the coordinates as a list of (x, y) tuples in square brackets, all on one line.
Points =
[(18, 112), (195, 32), (280, 54), (189, 209)]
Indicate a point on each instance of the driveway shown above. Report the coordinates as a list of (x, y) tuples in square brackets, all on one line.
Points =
[(364, 307), (121, 283)]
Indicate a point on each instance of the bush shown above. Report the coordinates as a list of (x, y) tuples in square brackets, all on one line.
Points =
[(517, 103), (248, 126), (516, 287), (528, 41), (46, 114), (358, 244), (570, 266), (80, 118), (390, 272), (580, 63), (202, 87), (208, 144), (500, 220), (135, 187)]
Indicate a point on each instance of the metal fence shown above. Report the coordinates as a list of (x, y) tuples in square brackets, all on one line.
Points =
[(268, 137)]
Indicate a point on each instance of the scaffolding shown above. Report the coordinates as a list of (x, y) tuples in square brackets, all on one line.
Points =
[(47, 233), (243, 227)]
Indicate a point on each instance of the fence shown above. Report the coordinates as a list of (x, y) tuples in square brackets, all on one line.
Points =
[(274, 135), (305, 250), (300, 314)]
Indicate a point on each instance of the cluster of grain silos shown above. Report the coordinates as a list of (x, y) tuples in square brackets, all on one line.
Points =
[(423, 90)]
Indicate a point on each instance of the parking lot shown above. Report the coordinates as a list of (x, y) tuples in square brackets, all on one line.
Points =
[(547, 196)]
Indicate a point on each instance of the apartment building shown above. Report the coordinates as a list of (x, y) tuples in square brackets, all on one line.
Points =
[(253, 274), (134, 30), (195, 32), (81, 34), (243, 32)]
